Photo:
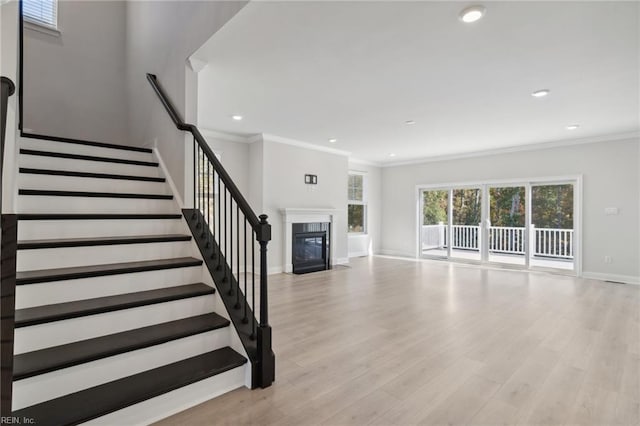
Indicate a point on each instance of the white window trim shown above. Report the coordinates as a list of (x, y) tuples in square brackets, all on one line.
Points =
[(364, 203), (42, 27)]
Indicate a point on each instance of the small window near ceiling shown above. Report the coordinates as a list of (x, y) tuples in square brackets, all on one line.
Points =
[(41, 12), (357, 206)]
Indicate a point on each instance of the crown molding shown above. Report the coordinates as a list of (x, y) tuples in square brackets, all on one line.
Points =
[(517, 148), (307, 145), (364, 162)]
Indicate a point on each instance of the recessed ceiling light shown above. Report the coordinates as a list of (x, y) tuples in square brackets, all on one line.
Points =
[(237, 117), (540, 93), (572, 126), (333, 140), (472, 14), (409, 122), (392, 155)]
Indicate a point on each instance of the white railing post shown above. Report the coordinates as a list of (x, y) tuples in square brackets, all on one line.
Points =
[(532, 239), (441, 235)]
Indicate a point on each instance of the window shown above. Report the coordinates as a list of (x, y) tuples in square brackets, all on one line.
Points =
[(357, 206), (41, 12)]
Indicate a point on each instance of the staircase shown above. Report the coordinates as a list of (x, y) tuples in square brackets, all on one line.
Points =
[(117, 318)]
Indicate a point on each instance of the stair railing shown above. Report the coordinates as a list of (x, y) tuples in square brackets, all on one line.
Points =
[(226, 229), (8, 249)]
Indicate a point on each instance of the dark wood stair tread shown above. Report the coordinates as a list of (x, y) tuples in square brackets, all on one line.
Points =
[(55, 358), (85, 142), (51, 193), (100, 241), (97, 401), (27, 170), (79, 308), (87, 157), (58, 274), (95, 216)]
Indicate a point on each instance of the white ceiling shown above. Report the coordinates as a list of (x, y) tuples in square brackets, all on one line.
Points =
[(356, 71)]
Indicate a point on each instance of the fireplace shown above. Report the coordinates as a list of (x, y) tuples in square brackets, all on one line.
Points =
[(310, 247)]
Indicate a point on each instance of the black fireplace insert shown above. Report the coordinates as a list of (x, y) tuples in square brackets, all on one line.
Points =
[(310, 247)]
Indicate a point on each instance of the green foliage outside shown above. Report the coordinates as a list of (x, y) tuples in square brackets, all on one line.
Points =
[(552, 206)]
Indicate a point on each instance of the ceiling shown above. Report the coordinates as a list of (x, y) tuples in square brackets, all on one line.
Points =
[(357, 71)]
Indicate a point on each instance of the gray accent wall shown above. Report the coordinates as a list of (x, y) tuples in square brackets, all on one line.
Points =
[(161, 35), (74, 82), (610, 179)]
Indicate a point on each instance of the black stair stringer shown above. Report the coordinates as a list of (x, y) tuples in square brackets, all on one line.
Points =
[(210, 254)]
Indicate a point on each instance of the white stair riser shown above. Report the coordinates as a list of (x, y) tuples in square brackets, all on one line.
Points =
[(48, 229), (71, 148), (30, 260), (72, 183), (60, 332), (51, 385), (63, 204), (173, 402), (30, 295), (52, 163)]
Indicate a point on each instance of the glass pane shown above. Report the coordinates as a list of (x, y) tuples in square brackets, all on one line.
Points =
[(433, 234), (552, 226), (465, 232), (356, 187), (506, 233), (356, 218)]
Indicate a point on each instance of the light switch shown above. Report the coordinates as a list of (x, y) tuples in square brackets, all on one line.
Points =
[(611, 211)]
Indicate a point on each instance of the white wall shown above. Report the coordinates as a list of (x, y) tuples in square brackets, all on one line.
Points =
[(610, 179), (361, 245), (284, 167), (74, 83), (234, 157), (9, 31), (161, 35)]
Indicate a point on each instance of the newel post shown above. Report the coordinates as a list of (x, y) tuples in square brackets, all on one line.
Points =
[(266, 357)]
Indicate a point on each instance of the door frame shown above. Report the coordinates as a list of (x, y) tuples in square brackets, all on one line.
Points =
[(527, 182)]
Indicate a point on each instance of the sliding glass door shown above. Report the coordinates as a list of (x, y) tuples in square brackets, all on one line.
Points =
[(506, 225), (521, 224)]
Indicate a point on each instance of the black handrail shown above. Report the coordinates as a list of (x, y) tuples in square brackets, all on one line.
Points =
[(221, 246), (8, 89), (226, 179)]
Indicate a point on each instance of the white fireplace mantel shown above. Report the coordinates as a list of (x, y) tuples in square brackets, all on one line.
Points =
[(305, 215)]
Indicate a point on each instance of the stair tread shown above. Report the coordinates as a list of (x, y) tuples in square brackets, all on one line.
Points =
[(54, 193), (28, 170), (87, 157), (57, 274), (88, 143), (55, 358), (100, 241), (61, 311), (109, 397), (95, 216)]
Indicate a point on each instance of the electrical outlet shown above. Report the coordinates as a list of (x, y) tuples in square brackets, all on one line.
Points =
[(608, 259), (611, 211)]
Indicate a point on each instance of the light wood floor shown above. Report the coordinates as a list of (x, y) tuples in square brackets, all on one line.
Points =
[(390, 341)]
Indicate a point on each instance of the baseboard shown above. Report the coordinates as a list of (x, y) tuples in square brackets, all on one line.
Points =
[(341, 261), (397, 253), (165, 172), (274, 270), (627, 279)]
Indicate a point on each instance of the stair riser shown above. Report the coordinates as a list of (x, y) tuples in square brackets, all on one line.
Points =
[(40, 388), (41, 162), (72, 183), (173, 402), (30, 260), (66, 331), (69, 148), (64, 204), (50, 229), (88, 288)]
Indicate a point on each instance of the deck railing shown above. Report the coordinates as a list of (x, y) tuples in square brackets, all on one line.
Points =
[(545, 242)]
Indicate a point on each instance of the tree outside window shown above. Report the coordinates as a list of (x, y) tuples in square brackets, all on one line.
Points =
[(357, 207)]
